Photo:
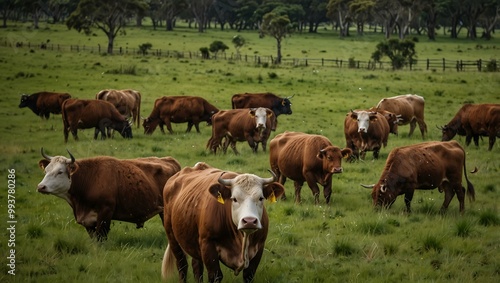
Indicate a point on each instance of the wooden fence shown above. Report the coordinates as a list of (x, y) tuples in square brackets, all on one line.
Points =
[(492, 65)]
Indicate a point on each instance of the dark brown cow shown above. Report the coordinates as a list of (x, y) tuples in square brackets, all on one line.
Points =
[(473, 121), (179, 109), (99, 114), (101, 189), (392, 119), (253, 125), (266, 100), (306, 158), (423, 166), (216, 216), (366, 131), (127, 101), (410, 107), (43, 103)]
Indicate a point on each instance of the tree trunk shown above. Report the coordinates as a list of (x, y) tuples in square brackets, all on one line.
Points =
[(278, 57), (111, 40)]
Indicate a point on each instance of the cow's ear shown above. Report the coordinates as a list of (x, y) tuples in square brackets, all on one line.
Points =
[(354, 115), (43, 163), (252, 111), (321, 154), (220, 192), (346, 152), (72, 168), (273, 191)]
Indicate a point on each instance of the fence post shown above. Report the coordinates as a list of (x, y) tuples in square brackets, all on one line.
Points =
[(322, 62), (444, 64), (479, 65)]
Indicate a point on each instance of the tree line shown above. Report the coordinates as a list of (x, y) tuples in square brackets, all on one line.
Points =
[(276, 18)]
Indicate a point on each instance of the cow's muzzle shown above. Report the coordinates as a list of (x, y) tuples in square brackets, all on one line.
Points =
[(249, 225)]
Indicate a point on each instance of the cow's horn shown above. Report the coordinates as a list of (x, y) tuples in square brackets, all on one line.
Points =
[(48, 157), (269, 180), (225, 182), (71, 155), (367, 186), (439, 127), (290, 96)]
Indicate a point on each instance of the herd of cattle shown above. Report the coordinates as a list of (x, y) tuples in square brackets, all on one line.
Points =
[(219, 216)]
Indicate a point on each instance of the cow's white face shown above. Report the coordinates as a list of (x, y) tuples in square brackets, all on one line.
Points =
[(363, 118), (260, 115), (247, 202), (57, 179)]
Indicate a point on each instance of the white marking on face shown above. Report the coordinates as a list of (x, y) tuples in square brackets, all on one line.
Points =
[(260, 117), (56, 180), (247, 202), (363, 121)]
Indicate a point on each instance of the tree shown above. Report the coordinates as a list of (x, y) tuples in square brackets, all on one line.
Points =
[(238, 42), (200, 9), (339, 9), (109, 16), (218, 46), (401, 52), (277, 26)]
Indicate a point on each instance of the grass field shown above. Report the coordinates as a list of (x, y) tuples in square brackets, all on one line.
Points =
[(346, 241)]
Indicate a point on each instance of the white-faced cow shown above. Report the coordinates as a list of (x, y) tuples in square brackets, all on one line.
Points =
[(366, 131), (473, 121), (101, 189), (410, 107), (179, 109), (306, 158), (216, 216), (423, 166), (126, 101), (98, 114), (43, 103), (253, 125)]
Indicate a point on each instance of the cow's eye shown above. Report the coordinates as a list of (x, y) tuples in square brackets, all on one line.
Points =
[(261, 199), (234, 199), (59, 172)]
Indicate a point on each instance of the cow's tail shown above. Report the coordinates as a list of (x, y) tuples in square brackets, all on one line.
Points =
[(138, 116), (168, 264), (471, 193)]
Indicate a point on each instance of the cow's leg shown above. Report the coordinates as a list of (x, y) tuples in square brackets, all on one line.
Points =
[(408, 198), (91, 231), (298, 187), (492, 140), (197, 269), (376, 152), (468, 139), (281, 180), (74, 132), (253, 145), (449, 193), (66, 133), (104, 222), (180, 256), (249, 272), (311, 182), (413, 125), (423, 127), (169, 126), (211, 260), (189, 127), (233, 146), (327, 192), (476, 140), (460, 191)]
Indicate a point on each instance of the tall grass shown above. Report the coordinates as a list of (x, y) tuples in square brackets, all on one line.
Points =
[(346, 241)]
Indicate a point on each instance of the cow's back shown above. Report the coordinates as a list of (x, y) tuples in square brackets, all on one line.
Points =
[(253, 100)]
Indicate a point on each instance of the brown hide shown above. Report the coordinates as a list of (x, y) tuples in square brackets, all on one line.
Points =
[(473, 121), (105, 188), (423, 166), (126, 101), (44, 103), (410, 107), (266, 100), (179, 109), (84, 114), (239, 125), (306, 158), (198, 225), (373, 140)]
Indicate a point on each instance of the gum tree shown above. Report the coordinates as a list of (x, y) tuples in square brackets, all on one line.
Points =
[(277, 26)]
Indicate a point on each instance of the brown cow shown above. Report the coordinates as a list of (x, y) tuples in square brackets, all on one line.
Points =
[(99, 114), (472, 121), (366, 131), (411, 109), (127, 101), (306, 158), (266, 100), (252, 125), (101, 189), (423, 166), (214, 215), (179, 109), (43, 103)]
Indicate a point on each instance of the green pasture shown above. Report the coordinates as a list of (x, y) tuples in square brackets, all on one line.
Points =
[(346, 241)]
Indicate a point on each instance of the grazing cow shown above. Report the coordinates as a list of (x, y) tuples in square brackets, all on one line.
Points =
[(179, 109), (213, 216), (99, 114), (127, 101), (423, 166), (253, 125), (366, 131), (101, 189), (473, 121), (411, 109), (44, 103), (306, 158)]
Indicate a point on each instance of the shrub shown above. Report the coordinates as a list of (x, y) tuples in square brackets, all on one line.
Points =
[(432, 243), (489, 218), (343, 248), (145, 47), (463, 228), (492, 66)]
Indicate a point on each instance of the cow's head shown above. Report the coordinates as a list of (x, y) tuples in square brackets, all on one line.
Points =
[(383, 193), (331, 158), (363, 119), (58, 171), (149, 124), (286, 106), (125, 129), (247, 193), (24, 100), (260, 115), (448, 132)]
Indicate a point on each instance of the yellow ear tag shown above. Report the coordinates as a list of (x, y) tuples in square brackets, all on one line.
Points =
[(219, 198), (272, 197)]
